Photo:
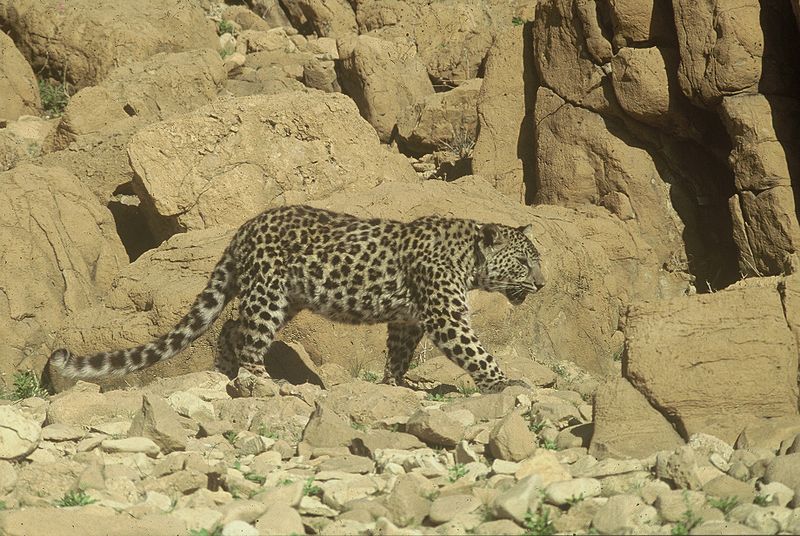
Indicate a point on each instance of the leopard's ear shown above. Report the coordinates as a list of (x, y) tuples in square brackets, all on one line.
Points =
[(491, 237), (526, 230)]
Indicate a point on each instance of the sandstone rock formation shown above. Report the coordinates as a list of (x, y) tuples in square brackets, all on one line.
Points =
[(17, 83)]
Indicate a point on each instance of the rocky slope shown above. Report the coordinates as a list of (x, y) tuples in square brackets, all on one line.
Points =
[(652, 145)]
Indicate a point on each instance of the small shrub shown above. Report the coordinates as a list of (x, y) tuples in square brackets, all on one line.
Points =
[(74, 498), (54, 97), (517, 21), (467, 390), (457, 471), (762, 500), (25, 385), (436, 397), (724, 504), (266, 432), (549, 444), (369, 376), (254, 477), (539, 523), (225, 26), (310, 488), (230, 435), (216, 531)]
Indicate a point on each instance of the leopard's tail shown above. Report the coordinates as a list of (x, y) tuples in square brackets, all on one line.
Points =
[(206, 309)]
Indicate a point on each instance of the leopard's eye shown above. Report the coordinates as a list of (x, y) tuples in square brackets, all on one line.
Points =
[(524, 262)]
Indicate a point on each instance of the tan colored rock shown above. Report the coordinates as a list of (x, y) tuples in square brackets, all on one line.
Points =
[(245, 18), (159, 422), (785, 469), (442, 121), (383, 78), (521, 498), (131, 445), (366, 403), (763, 210), (70, 243), (452, 36), (691, 364), (87, 39), (280, 519), (435, 427), (145, 92), (327, 429), (504, 147), (726, 486), (87, 408), (557, 35), (405, 502), (19, 435), (646, 88), (511, 440), (317, 142), (626, 425), (545, 465), (330, 18), (79, 522), (624, 513), (638, 22), (580, 162), (19, 93), (271, 11), (720, 48), (26, 138)]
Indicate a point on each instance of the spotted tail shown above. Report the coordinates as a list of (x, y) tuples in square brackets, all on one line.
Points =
[(206, 309)]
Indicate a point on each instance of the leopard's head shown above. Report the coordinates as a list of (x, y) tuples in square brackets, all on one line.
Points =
[(508, 262)]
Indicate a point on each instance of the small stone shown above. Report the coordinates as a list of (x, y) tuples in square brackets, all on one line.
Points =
[(776, 493), (545, 465), (62, 432), (444, 509), (131, 445), (515, 502), (726, 486), (280, 519), (499, 526), (511, 440), (503, 467), (159, 422), (571, 491), (405, 503), (191, 405), (435, 427), (246, 510), (722, 527), (623, 514), (8, 477), (19, 435), (672, 505), (679, 466), (464, 453), (312, 506), (784, 469), (239, 528)]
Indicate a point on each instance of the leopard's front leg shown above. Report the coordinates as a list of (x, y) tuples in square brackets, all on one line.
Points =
[(453, 335)]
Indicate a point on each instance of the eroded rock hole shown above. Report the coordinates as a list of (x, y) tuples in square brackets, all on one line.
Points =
[(130, 221)]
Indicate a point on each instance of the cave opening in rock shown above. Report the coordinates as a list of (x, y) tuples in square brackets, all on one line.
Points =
[(129, 219)]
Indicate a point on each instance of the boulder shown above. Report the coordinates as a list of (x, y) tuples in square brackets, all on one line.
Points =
[(24, 139), (144, 92), (710, 362), (329, 18), (210, 168), (19, 435), (725, 49), (557, 35), (383, 78), (66, 256), (580, 162), (504, 146), (626, 425), (19, 92), (442, 121), (511, 439), (642, 22), (84, 40), (763, 210)]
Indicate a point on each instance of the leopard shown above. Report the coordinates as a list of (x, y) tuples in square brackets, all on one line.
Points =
[(414, 276)]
